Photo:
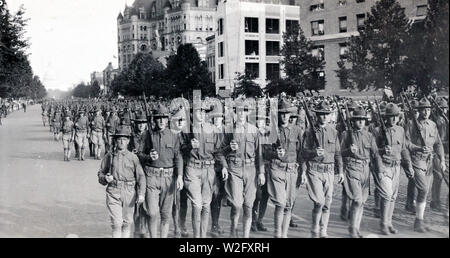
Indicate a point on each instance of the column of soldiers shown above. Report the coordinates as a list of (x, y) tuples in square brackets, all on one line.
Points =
[(210, 159)]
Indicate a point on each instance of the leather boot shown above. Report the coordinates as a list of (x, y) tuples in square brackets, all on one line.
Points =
[(196, 220), (384, 212), (278, 219), (204, 223), (353, 229), (419, 226), (390, 214)]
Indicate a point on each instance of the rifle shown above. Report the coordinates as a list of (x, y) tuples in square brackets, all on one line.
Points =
[(311, 127), (382, 124), (129, 115), (433, 101), (414, 120), (149, 123)]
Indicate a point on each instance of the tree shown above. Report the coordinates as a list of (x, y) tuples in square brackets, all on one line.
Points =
[(247, 87), (280, 85), (299, 64), (95, 89), (427, 59), (186, 72), (376, 57)]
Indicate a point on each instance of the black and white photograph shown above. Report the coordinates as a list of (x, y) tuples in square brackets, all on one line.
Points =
[(231, 121)]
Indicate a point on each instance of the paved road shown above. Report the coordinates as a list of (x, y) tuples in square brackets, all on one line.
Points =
[(43, 196)]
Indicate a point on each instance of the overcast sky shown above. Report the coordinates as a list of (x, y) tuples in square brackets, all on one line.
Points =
[(70, 38)]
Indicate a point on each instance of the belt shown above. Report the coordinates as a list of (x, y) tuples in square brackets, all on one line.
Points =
[(81, 131), (322, 167), (117, 183), (421, 155), (241, 162), (357, 161), (201, 163), (160, 172), (288, 167), (391, 163), (98, 130)]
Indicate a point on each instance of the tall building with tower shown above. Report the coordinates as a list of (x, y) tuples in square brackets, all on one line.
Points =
[(160, 26)]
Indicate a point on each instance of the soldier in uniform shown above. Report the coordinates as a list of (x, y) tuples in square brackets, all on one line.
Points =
[(136, 146), (67, 135), (422, 157), (122, 172), (411, 188), (443, 129), (393, 149), (57, 122), (219, 191), (243, 168), (111, 124), (358, 147), (98, 133), (200, 176), (284, 169), (162, 154), (81, 134), (322, 163)]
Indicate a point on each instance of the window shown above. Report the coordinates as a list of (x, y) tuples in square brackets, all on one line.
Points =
[(343, 48), (320, 77), (317, 28), (220, 27), (220, 49), (290, 24), (342, 24), (360, 20), (252, 69), (221, 71), (317, 7), (272, 48), (273, 26), (319, 52), (252, 48), (342, 2), (251, 25), (360, 1), (421, 10), (272, 71)]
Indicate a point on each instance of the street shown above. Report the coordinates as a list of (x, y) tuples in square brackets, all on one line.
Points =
[(43, 196)]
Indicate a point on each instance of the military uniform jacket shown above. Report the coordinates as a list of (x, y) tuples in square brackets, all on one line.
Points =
[(137, 144), (67, 127), (443, 130), (112, 124), (167, 144), (125, 167), (98, 124), (82, 124), (367, 147), (249, 146), (290, 139), (399, 144), (329, 140), (428, 130), (209, 143)]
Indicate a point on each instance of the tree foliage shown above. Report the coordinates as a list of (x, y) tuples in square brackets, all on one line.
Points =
[(16, 75), (300, 66), (247, 86)]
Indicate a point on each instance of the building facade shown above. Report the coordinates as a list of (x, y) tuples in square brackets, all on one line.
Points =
[(249, 38), (97, 77), (163, 25), (330, 23), (211, 56), (109, 74)]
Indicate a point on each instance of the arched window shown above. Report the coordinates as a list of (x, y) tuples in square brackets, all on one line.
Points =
[(143, 48)]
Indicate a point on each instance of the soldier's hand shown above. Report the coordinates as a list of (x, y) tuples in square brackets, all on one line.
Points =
[(320, 152), (261, 179), (180, 183), (281, 152), (224, 174), (195, 143), (426, 149), (354, 148), (340, 178), (443, 166), (234, 145), (109, 178), (154, 155), (140, 199), (388, 150)]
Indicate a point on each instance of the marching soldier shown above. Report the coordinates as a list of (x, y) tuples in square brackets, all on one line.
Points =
[(57, 123), (424, 141), (284, 170), (411, 188), (82, 134), (67, 135), (112, 123), (243, 168), (322, 161), (98, 133), (393, 149), (162, 155), (438, 174), (136, 146), (358, 147), (122, 172), (200, 176)]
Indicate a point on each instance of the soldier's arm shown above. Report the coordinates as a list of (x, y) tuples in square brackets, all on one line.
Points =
[(258, 156), (338, 163), (224, 150), (308, 151), (409, 144), (140, 176), (104, 169), (405, 156), (345, 144), (178, 158), (438, 147), (376, 158)]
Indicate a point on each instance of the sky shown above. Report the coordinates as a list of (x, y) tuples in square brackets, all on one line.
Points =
[(70, 39)]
